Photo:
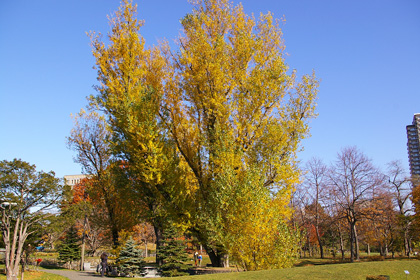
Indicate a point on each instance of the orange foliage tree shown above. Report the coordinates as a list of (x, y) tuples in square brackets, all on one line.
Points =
[(91, 224), (379, 224), (105, 188), (415, 197)]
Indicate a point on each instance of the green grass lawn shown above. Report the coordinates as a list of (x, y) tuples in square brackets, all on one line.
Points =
[(347, 271), (312, 268), (307, 270), (38, 275), (34, 274), (359, 271)]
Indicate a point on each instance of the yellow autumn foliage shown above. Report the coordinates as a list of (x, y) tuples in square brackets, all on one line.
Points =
[(130, 77), (211, 130), (238, 114), (129, 93)]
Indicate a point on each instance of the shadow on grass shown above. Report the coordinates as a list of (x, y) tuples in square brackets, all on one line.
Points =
[(312, 262), (318, 261), (52, 267)]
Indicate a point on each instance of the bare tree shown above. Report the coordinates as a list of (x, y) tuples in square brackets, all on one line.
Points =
[(354, 181), (338, 224), (399, 185), (316, 179), (299, 201), (89, 138)]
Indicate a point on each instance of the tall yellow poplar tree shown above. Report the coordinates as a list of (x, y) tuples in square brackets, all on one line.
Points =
[(237, 115), (129, 93), (210, 130)]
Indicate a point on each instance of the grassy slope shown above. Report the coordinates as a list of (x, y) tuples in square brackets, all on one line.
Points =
[(357, 271)]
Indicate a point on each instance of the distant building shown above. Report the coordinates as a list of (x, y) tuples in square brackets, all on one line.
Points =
[(72, 180), (413, 147)]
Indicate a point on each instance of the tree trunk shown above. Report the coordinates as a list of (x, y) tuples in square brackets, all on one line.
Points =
[(14, 250), (309, 245), (356, 242), (409, 246), (321, 250), (22, 273), (82, 259), (11, 275), (158, 233), (218, 259), (341, 242), (406, 243), (351, 243), (368, 249), (381, 249), (15, 273), (114, 232), (214, 257), (145, 248), (318, 236)]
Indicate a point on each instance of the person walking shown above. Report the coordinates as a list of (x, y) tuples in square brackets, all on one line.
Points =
[(195, 258), (104, 263), (200, 258)]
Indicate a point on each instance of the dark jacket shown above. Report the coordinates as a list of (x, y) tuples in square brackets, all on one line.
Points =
[(104, 258)]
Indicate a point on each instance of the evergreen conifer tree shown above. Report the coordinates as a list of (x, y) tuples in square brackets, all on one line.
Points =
[(131, 260), (69, 250), (173, 254)]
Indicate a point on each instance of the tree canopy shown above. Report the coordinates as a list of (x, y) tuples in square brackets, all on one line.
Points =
[(237, 115), (208, 133), (25, 196)]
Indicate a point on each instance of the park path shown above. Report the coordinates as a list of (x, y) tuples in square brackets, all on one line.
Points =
[(74, 275)]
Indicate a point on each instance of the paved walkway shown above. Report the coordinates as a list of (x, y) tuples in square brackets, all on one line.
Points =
[(75, 275)]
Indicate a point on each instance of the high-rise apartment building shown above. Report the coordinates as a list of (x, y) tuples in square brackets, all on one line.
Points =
[(413, 147)]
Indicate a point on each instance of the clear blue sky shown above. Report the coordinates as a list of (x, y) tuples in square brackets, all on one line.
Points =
[(366, 53)]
